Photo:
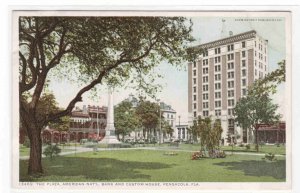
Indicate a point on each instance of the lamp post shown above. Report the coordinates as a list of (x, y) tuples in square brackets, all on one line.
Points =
[(179, 120)]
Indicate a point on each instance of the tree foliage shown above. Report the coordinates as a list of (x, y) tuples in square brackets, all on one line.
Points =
[(257, 107), (208, 131), (148, 114), (126, 119), (93, 51), (269, 83)]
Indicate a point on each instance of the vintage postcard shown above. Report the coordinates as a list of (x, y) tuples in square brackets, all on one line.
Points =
[(151, 100)]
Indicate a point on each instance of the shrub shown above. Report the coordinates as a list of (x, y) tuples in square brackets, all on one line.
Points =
[(241, 145), (197, 155), (248, 147), (270, 157), (26, 142), (220, 154), (51, 151), (217, 154)]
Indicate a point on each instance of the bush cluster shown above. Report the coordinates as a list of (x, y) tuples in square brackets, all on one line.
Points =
[(51, 151)]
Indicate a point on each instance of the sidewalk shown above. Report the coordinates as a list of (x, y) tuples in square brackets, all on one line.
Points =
[(85, 149)]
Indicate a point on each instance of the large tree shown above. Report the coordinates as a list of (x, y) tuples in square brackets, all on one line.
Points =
[(126, 119), (93, 51), (258, 107), (148, 114), (252, 110)]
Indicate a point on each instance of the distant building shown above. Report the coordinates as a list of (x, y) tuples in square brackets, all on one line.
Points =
[(220, 76), (88, 122), (182, 133)]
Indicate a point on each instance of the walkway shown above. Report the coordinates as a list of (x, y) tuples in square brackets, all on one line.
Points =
[(85, 149)]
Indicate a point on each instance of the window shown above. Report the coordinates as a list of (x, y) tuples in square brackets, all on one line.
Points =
[(205, 62), (244, 92), (217, 112), (230, 65), (218, 68), (230, 48), (217, 86), (195, 114), (230, 84), (195, 105), (205, 70), (205, 79), (217, 95), (194, 72), (194, 80), (230, 93), (243, 72), (243, 82), (217, 59), (205, 87), (217, 77), (205, 96), (255, 72), (217, 104), (217, 50), (230, 112), (195, 97), (255, 53), (255, 63), (243, 54), (205, 105), (205, 113), (194, 89), (231, 102), (205, 53), (243, 44), (194, 64), (230, 56), (243, 63), (230, 74)]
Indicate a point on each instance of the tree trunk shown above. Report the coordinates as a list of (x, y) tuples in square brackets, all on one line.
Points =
[(35, 159)]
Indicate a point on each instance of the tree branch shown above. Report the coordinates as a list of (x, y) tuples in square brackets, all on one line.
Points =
[(78, 96)]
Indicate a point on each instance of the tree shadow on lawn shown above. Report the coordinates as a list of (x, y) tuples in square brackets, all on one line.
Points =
[(93, 168), (258, 168)]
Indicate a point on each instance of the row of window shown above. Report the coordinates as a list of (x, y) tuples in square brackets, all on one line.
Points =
[(230, 93), (229, 48), (218, 68), (205, 113), (230, 84), (218, 104)]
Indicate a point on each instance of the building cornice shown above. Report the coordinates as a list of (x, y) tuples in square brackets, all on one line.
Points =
[(228, 40)]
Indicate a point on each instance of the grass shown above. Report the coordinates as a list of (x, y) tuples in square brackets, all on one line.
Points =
[(154, 166), (262, 149), (24, 151)]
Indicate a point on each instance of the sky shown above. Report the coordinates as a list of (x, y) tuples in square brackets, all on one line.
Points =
[(175, 81)]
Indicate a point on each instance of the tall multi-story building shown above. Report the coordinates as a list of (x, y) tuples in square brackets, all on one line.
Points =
[(220, 76)]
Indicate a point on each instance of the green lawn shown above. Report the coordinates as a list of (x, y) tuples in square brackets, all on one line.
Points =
[(154, 166), (262, 149), (24, 151)]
